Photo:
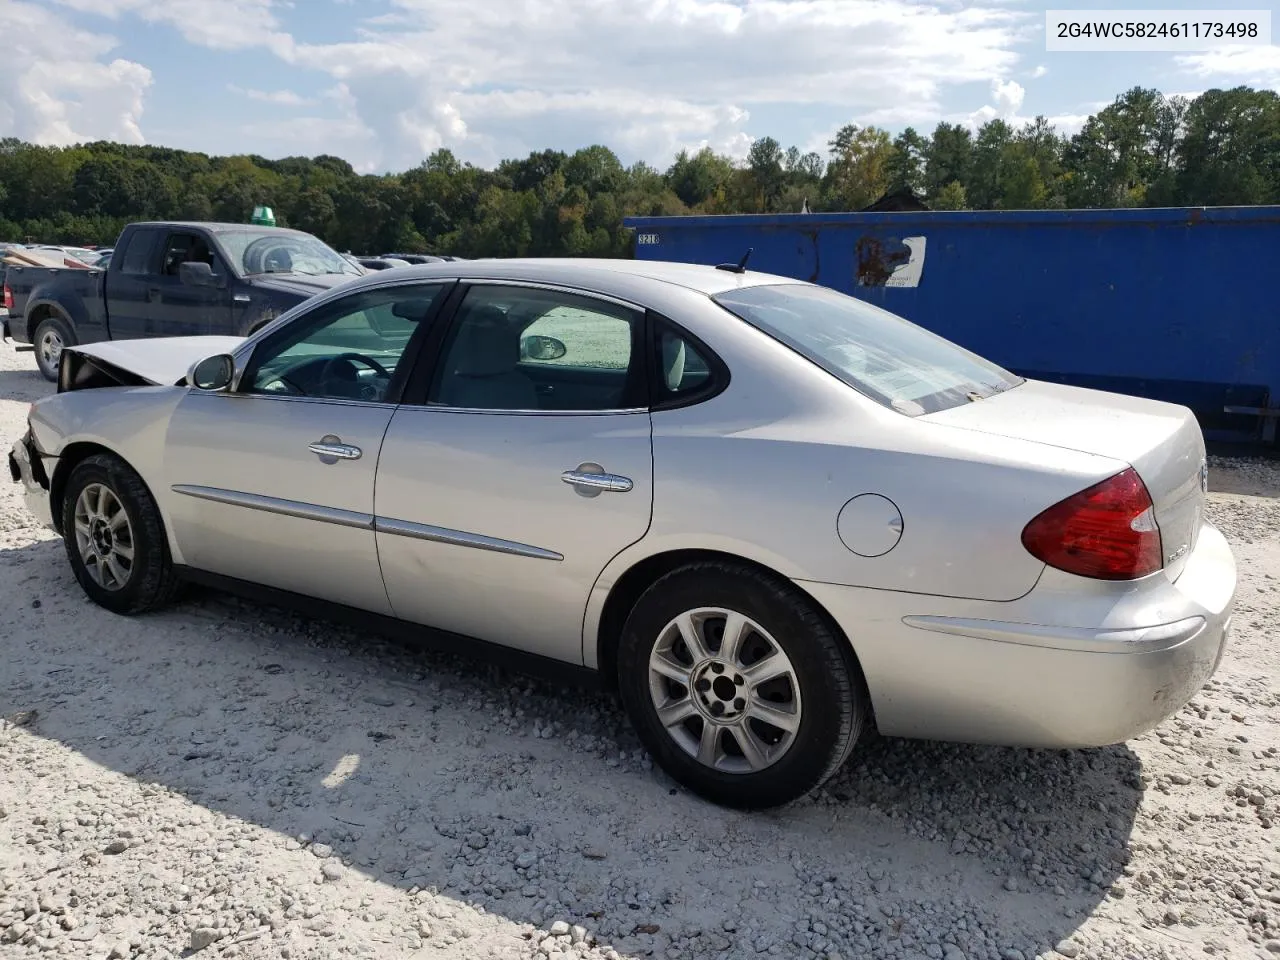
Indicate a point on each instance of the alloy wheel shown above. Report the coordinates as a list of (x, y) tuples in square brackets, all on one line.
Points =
[(104, 536), (725, 690)]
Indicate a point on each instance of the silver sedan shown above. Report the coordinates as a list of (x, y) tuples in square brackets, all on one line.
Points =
[(768, 514)]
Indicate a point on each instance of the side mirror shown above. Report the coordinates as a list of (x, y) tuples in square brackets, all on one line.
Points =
[(542, 348), (212, 373), (197, 274)]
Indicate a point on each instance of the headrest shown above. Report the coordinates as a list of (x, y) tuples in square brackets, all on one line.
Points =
[(488, 344), (673, 361)]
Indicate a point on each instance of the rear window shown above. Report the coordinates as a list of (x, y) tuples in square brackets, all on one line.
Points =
[(878, 353)]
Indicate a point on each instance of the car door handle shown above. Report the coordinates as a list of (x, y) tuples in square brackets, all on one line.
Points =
[(332, 449), (604, 482)]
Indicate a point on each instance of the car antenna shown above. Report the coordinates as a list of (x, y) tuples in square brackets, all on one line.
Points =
[(740, 266)]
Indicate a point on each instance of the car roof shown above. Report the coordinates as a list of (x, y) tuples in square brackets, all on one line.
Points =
[(218, 227), (592, 273)]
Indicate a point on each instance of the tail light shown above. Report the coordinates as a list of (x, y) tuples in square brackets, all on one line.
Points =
[(1107, 532), (8, 297)]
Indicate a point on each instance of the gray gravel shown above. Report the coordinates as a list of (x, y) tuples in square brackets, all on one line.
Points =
[(226, 779)]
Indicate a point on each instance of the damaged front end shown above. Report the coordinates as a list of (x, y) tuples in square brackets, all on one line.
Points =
[(82, 371), (153, 362), (26, 468)]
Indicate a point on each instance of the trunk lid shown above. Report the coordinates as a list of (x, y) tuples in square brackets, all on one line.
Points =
[(1161, 441)]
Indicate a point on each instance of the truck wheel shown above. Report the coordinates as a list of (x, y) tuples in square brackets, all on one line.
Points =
[(52, 336)]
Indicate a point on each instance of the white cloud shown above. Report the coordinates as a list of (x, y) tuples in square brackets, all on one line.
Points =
[(1008, 95), (216, 24), (1257, 66), (283, 98), (1039, 71), (501, 77), (59, 87), (649, 79)]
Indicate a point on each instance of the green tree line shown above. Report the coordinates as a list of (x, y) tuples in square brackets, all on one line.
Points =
[(1144, 149)]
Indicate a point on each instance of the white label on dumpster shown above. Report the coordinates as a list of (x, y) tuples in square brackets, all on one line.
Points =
[(908, 274)]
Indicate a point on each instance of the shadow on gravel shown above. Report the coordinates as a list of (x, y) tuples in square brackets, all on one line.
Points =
[(431, 772), (22, 386)]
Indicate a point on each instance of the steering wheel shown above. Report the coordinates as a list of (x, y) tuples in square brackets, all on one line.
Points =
[(367, 391)]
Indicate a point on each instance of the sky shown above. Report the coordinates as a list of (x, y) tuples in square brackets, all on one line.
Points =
[(383, 83)]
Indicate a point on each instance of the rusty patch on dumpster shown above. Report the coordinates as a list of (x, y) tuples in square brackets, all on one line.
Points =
[(891, 262)]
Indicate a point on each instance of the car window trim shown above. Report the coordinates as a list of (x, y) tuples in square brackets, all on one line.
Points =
[(412, 349), (428, 365)]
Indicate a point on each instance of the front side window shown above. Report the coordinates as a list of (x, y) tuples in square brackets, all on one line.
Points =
[(349, 349), (879, 354), (183, 248), (518, 348)]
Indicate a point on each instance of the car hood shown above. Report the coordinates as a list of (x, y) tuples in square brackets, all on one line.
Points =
[(299, 284), (156, 360)]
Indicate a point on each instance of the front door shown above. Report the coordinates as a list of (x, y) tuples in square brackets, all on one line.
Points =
[(179, 310), (502, 497), (273, 483)]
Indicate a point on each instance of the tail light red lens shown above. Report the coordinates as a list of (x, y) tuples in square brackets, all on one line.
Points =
[(1107, 532), (8, 297)]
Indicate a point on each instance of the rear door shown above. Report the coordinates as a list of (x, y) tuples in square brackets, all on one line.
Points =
[(179, 310), (505, 486), (128, 279)]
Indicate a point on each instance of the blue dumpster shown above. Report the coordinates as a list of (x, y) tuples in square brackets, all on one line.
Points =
[(1174, 304)]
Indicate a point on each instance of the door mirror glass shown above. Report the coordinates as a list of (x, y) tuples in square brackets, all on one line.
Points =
[(197, 275), (213, 373), (542, 348)]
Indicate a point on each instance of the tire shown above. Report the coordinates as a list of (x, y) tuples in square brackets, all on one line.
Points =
[(149, 580), (823, 686), (51, 336)]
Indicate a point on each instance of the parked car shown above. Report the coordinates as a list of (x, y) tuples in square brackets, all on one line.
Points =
[(768, 513), (416, 259), (381, 263), (171, 279)]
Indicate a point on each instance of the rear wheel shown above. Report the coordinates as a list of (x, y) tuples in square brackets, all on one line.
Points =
[(114, 537), (52, 335), (737, 685)]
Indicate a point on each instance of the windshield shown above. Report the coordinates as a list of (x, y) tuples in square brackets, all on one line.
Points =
[(256, 252), (878, 353)]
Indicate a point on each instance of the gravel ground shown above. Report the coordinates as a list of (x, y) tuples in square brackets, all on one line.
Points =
[(232, 780)]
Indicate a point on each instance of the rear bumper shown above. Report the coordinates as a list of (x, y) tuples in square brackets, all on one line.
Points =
[(1008, 673), (35, 494)]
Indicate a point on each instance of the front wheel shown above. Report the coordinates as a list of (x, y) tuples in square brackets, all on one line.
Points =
[(737, 685), (114, 537), (52, 335)]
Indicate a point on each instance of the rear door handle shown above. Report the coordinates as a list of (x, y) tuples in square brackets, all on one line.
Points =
[(601, 482), (332, 449)]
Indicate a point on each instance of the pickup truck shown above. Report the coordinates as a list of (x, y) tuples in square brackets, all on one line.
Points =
[(170, 280)]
